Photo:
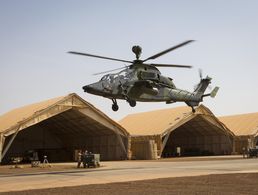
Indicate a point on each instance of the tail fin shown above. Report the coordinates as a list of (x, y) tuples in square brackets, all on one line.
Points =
[(202, 86)]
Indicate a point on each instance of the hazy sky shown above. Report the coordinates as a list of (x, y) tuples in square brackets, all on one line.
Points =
[(36, 35)]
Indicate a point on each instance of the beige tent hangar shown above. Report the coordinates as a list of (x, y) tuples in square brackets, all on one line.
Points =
[(199, 133), (59, 126), (245, 127)]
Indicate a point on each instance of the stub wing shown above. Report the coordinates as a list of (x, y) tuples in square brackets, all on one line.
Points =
[(142, 87)]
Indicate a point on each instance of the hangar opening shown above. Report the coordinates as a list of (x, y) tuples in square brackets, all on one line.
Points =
[(58, 128), (179, 132), (198, 137)]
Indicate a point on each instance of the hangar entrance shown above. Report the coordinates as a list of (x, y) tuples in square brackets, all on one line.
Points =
[(60, 127), (199, 136), (59, 138)]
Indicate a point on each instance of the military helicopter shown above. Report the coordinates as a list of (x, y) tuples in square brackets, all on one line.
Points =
[(143, 82)]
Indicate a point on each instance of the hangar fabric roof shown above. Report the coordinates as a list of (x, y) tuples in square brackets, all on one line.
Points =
[(153, 122), (162, 121), (26, 116), (242, 124), (19, 114)]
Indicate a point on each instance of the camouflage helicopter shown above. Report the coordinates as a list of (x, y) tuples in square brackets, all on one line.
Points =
[(143, 82)]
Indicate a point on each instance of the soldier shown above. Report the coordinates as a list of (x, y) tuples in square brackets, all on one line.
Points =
[(244, 152), (84, 159), (80, 158)]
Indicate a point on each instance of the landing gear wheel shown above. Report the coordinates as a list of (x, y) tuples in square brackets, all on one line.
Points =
[(193, 110), (115, 107), (132, 103)]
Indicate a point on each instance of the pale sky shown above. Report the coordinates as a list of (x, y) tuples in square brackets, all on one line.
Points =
[(36, 35)]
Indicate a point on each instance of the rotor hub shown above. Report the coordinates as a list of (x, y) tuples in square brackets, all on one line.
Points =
[(137, 50)]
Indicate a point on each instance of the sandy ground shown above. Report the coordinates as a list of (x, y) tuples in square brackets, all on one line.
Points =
[(230, 184)]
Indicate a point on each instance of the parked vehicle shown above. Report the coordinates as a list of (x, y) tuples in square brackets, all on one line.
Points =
[(91, 160)]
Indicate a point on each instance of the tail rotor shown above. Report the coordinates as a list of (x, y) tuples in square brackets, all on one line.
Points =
[(200, 73)]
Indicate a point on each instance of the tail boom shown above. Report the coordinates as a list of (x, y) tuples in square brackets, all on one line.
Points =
[(193, 99)]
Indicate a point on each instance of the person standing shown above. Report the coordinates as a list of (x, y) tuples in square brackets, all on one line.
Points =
[(244, 152), (84, 157), (80, 158)]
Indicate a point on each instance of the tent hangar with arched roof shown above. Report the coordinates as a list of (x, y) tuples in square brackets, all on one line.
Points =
[(58, 127), (199, 133)]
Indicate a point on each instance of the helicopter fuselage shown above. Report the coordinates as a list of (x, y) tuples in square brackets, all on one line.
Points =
[(144, 84), (140, 84)]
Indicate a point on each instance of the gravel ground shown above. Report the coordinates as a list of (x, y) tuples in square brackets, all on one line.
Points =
[(232, 184)]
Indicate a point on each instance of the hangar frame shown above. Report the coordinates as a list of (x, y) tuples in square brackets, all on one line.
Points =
[(245, 127), (75, 122), (206, 126), (179, 127)]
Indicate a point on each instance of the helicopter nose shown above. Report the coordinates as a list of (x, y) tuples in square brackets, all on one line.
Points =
[(87, 88)]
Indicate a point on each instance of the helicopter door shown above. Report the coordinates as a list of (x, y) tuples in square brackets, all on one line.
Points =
[(148, 76)]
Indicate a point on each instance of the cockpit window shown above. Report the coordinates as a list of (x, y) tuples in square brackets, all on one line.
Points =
[(104, 77), (122, 75)]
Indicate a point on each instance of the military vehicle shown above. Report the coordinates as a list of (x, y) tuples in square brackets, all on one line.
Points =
[(143, 82)]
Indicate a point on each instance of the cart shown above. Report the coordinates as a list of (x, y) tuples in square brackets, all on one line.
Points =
[(91, 160)]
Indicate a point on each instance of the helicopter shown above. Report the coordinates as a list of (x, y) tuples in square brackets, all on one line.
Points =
[(143, 82)]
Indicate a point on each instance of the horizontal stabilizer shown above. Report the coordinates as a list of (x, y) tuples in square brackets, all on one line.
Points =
[(214, 92)]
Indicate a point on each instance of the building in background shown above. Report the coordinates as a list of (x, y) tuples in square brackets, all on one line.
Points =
[(245, 127), (178, 131), (58, 127)]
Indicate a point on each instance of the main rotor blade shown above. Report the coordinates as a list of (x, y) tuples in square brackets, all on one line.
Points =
[(168, 50), (96, 56), (171, 65), (110, 70)]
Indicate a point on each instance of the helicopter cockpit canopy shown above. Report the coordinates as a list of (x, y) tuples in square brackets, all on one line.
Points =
[(121, 76), (105, 77)]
